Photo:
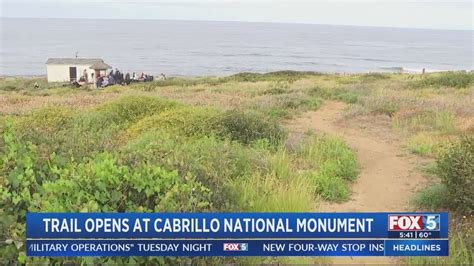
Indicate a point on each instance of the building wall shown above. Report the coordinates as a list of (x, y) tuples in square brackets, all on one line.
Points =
[(60, 73)]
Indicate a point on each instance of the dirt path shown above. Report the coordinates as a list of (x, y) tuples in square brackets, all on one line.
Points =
[(387, 179)]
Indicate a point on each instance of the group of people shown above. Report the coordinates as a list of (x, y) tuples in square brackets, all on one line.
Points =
[(112, 78), (119, 78), (116, 78)]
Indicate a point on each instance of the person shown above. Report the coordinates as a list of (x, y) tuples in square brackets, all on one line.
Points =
[(75, 84), (163, 77), (105, 81), (98, 83), (84, 74), (111, 80), (127, 79), (116, 75), (121, 77)]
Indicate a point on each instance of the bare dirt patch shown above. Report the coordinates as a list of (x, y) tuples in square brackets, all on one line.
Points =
[(388, 177)]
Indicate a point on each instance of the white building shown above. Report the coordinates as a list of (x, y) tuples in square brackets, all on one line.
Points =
[(73, 69)]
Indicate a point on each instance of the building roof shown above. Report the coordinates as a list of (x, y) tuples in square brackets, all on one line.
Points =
[(100, 66), (74, 61)]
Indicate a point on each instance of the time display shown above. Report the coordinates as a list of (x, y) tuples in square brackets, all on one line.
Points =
[(415, 234)]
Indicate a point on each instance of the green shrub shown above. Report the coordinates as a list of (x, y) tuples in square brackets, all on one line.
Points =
[(447, 79), (133, 108), (285, 105), (278, 87), (19, 188), (268, 193), (99, 183), (279, 165), (45, 128), (380, 101), (313, 103), (186, 121), (349, 97), (332, 165), (44, 123), (332, 156), (248, 126), (380, 104), (297, 102), (290, 101), (386, 108), (336, 93), (60, 130), (331, 188), (48, 118), (242, 126), (209, 160), (424, 144), (277, 112), (422, 148), (432, 198), (274, 184), (456, 170), (57, 130)]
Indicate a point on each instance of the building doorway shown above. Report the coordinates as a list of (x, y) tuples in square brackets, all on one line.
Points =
[(72, 73)]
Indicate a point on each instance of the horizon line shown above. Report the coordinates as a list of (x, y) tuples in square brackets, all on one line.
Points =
[(242, 21)]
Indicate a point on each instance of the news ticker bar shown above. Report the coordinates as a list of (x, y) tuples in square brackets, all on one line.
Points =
[(236, 225), (226, 248)]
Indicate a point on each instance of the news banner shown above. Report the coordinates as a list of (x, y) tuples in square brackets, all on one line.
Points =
[(236, 234)]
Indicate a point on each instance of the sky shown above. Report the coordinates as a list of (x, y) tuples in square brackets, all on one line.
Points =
[(434, 14)]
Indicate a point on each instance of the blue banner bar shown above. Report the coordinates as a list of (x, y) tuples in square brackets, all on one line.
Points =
[(226, 248), (236, 225)]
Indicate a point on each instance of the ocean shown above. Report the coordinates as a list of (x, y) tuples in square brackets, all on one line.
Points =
[(198, 48)]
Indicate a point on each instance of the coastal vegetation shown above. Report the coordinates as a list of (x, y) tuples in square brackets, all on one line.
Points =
[(223, 144)]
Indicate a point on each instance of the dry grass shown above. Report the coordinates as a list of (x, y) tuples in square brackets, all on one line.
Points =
[(413, 105), (17, 104), (276, 97), (424, 116)]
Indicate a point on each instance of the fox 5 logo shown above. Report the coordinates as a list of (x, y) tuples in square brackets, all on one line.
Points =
[(423, 222), (236, 247)]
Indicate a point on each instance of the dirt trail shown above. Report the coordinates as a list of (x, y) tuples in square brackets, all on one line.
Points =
[(387, 179)]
